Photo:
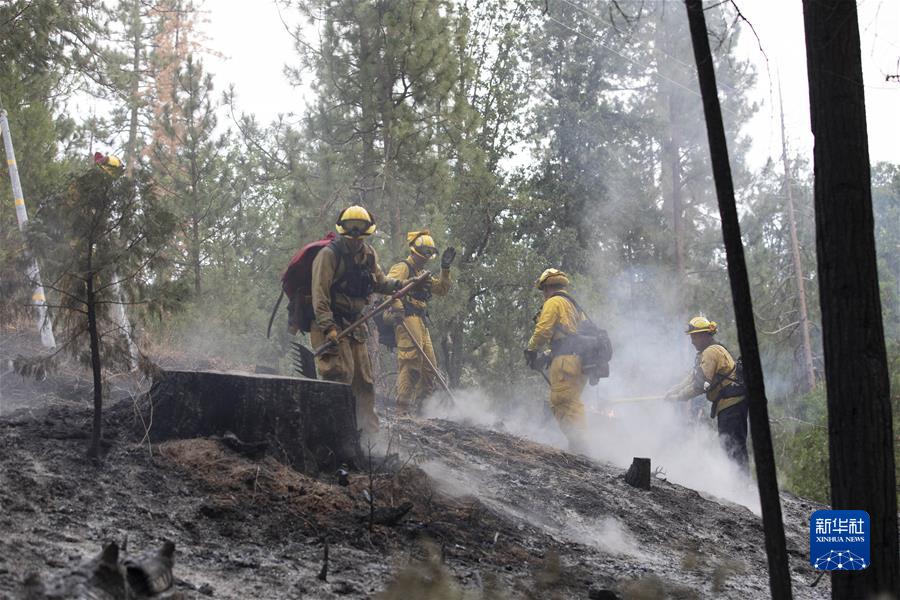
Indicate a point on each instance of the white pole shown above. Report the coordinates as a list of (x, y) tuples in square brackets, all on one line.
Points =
[(38, 298)]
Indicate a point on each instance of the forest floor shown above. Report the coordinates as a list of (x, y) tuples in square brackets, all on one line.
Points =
[(492, 515)]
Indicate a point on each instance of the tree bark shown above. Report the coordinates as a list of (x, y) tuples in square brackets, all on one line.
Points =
[(96, 367), (135, 99), (307, 424), (670, 169), (860, 429), (776, 550), (809, 372)]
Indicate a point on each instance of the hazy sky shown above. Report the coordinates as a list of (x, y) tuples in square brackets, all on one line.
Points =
[(255, 47)]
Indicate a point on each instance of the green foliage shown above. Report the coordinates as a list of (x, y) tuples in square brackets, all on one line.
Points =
[(570, 139), (190, 169), (800, 437), (99, 244), (886, 208)]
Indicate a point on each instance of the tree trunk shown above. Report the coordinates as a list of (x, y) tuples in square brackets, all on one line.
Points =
[(809, 372), (860, 436), (135, 98), (307, 424), (195, 228), (776, 550), (670, 169), (368, 116), (93, 332)]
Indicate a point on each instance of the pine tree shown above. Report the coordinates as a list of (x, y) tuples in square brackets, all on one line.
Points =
[(383, 72), (188, 162), (102, 234)]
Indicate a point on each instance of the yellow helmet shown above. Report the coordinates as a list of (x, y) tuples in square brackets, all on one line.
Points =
[(701, 324), (355, 222), (109, 164), (552, 277), (422, 244)]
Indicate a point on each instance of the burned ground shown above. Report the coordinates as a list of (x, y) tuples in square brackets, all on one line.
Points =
[(492, 515)]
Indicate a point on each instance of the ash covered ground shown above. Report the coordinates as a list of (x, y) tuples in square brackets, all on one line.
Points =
[(493, 515)]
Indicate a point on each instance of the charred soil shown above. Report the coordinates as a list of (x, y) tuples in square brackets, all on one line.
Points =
[(455, 509)]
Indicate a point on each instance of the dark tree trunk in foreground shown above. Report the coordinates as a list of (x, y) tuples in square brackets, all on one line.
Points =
[(860, 436), (94, 334), (779, 575)]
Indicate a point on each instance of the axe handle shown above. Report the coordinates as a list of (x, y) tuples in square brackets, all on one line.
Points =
[(274, 310), (377, 310)]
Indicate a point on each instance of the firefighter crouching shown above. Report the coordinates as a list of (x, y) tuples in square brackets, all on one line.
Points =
[(717, 375), (344, 274), (415, 379), (558, 320)]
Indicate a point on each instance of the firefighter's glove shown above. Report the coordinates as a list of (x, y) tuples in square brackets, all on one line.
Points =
[(331, 336), (448, 257), (531, 359)]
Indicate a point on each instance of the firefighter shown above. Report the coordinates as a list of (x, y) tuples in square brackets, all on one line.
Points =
[(717, 375), (344, 274), (110, 164), (415, 379), (558, 320)]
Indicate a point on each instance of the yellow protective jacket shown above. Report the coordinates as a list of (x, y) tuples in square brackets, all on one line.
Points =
[(557, 319), (440, 286), (714, 365), (326, 269)]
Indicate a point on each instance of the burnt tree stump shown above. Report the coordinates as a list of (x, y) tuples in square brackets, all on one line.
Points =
[(307, 424), (638, 474)]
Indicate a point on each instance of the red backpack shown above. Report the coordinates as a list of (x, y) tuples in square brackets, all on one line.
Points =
[(296, 284)]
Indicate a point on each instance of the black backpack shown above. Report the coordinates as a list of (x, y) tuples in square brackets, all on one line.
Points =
[(590, 342), (386, 334)]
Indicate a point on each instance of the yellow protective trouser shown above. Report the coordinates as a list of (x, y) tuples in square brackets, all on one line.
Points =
[(349, 363), (415, 379), (566, 384)]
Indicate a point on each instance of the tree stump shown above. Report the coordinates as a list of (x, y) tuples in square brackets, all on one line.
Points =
[(307, 424), (638, 474)]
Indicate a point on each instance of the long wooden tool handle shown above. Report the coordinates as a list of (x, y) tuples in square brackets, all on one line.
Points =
[(377, 310), (431, 365), (637, 399), (272, 317)]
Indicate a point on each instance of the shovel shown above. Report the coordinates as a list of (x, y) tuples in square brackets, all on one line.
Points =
[(304, 358)]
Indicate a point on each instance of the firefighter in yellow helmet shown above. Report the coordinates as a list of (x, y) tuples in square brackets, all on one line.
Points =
[(716, 374), (558, 319), (110, 164), (415, 379), (344, 274)]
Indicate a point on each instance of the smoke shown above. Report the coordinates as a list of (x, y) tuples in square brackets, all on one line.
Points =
[(686, 450), (651, 353), (606, 534)]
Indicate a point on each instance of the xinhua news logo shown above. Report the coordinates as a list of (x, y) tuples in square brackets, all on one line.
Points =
[(839, 540)]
